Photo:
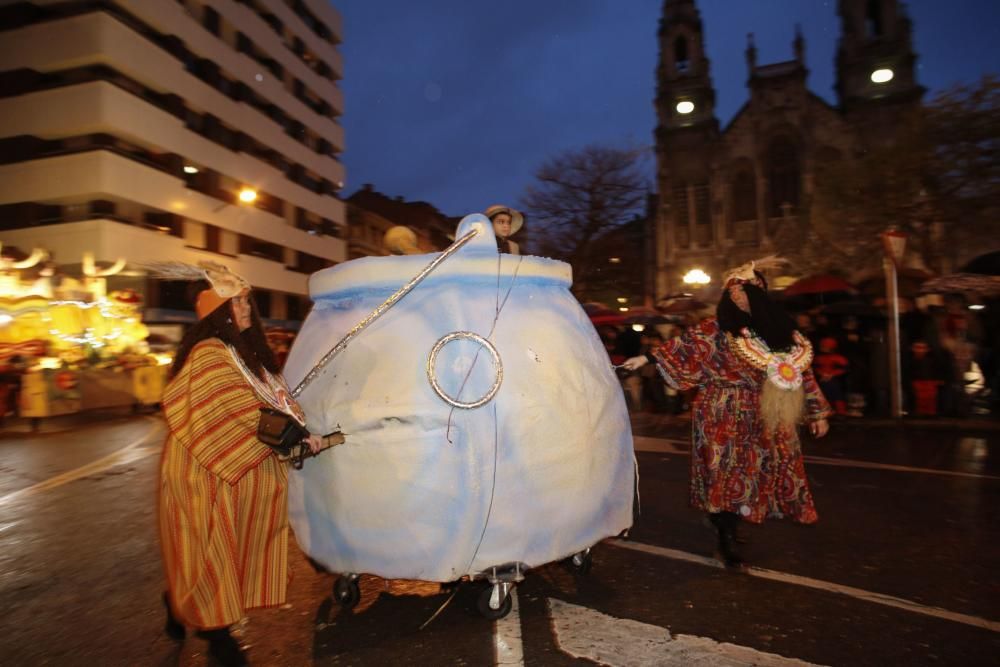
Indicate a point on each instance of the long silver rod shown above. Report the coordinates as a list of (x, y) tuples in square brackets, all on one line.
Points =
[(378, 312)]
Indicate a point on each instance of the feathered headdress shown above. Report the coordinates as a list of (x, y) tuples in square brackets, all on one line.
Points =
[(224, 283), (745, 272)]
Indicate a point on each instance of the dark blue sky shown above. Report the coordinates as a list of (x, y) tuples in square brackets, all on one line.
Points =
[(457, 102)]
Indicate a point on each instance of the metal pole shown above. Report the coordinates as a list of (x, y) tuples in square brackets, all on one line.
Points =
[(895, 371)]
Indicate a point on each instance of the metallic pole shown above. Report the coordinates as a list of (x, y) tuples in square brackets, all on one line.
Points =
[(895, 369)]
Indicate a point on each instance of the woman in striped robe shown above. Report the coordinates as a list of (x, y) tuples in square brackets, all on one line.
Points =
[(223, 494)]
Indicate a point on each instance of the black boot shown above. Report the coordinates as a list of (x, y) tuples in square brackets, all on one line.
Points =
[(174, 628), (725, 523), (224, 648)]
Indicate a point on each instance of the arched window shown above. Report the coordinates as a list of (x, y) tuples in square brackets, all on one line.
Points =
[(783, 176), (873, 18), (682, 61), (744, 197)]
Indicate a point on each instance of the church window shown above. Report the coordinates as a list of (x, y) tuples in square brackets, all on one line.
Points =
[(784, 178), (744, 197), (681, 215), (703, 214), (873, 18), (682, 61)]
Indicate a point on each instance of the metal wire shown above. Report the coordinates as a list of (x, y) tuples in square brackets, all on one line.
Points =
[(378, 312)]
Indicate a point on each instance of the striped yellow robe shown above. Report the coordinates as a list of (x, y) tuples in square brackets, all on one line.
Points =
[(223, 495)]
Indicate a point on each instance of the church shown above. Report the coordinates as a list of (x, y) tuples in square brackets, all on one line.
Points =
[(726, 193)]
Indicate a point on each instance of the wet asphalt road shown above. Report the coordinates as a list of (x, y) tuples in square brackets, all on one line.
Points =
[(80, 571)]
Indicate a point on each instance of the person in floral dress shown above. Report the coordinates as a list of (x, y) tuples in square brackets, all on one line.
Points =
[(753, 371)]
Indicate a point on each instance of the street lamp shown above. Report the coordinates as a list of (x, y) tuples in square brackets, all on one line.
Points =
[(696, 277), (894, 248), (248, 195)]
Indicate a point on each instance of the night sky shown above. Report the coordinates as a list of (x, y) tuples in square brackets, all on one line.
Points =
[(457, 102)]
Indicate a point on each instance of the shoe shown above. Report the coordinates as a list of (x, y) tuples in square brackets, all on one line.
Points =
[(725, 523), (174, 628), (224, 648)]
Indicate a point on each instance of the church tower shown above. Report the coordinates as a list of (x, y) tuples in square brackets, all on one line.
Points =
[(686, 133), (876, 78)]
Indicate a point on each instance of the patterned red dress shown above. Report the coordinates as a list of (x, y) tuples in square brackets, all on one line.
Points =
[(736, 465)]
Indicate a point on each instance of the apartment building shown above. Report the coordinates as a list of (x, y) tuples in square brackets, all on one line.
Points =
[(151, 130)]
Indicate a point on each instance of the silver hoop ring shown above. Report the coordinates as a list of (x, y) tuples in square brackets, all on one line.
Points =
[(497, 367)]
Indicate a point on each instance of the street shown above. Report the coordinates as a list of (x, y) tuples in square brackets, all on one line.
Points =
[(901, 568)]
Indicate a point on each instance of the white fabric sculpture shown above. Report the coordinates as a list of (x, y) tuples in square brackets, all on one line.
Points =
[(422, 490)]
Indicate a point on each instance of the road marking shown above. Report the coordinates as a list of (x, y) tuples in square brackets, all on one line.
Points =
[(507, 646), (796, 580), (127, 454), (590, 635), (676, 446)]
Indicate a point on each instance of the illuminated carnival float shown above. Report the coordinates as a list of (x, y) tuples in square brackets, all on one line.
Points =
[(73, 345)]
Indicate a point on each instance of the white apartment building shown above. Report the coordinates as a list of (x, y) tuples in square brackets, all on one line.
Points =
[(142, 129)]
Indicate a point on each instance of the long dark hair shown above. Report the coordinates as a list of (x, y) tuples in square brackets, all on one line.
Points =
[(251, 344), (766, 318)]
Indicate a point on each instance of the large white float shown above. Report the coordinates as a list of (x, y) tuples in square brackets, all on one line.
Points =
[(424, 490)]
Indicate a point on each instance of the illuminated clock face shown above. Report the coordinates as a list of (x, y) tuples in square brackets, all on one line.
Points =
[(685, 107), (882, 75)]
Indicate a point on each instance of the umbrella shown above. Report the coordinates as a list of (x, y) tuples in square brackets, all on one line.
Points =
[(985, 286), (819, 284), (679, 305), (987, 265), (908, 279), (648, 316)]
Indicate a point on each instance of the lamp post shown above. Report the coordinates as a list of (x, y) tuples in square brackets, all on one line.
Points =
[(894, 247)]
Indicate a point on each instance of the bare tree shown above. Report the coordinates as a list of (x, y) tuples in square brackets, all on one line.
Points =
[(580, 197), (939, 180)]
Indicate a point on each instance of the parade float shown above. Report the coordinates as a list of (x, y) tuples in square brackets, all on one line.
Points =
[(67, 344), (485, 431)]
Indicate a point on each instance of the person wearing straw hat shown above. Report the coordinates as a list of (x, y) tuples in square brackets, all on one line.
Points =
[(506, 222)]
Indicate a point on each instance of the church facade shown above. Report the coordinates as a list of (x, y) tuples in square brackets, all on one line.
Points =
[(726, 194)]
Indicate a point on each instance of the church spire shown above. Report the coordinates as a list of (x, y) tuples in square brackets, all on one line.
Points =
[(685, 96)]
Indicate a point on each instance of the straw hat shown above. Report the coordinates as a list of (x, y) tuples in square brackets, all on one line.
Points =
[(516, 219)]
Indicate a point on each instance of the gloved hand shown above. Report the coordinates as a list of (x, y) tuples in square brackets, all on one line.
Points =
[(635, 363)]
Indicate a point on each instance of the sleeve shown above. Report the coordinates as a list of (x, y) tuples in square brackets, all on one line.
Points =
[(817, 407), (213, 413), (681, 360)]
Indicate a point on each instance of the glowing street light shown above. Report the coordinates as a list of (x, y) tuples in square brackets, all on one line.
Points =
[(696, 277), (883, 75), (622, 299), (685, 107), (190, 169), (248, 195)]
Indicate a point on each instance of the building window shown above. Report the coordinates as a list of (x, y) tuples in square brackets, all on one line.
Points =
[(783, 175), (744, 197), (873, 19), (682, 62)]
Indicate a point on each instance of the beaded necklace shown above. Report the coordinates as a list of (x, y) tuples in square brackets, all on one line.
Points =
[(783, 369)]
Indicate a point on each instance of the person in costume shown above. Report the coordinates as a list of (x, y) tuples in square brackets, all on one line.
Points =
[(506, 222), (223, 513), (753, 371)]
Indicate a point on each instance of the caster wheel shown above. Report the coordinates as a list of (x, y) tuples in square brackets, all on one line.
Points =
[(346, 592), (580, 562), (483, 604)]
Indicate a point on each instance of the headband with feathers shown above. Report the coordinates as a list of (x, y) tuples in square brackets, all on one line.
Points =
[(745, 272), (224, 282)]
